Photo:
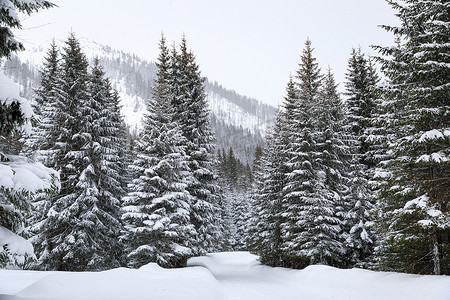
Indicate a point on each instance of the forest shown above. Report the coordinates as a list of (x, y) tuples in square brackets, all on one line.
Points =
[(361, 181)]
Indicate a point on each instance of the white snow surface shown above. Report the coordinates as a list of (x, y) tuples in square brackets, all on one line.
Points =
[(9, 93), (232, 114), (21, 175), (15, 244), (223, 276)]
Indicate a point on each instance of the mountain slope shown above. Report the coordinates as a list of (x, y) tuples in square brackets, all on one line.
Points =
[(238, 121)]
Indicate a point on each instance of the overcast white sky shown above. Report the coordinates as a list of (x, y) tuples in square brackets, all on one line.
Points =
[(250, 46)]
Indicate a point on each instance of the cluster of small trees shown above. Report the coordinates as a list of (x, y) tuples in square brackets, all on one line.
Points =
[(365, 182), (235, 180)]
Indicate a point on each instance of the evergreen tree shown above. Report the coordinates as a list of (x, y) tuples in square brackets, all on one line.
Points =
[(264, 233), (45, 135), (309, 214), (158, 206), (81, 229), (191, 113), (415, 200), (361, 92), (16, 115), (345, 178)]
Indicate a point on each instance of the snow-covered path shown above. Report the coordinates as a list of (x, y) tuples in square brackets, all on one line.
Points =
[(241, 276), (222, 276), (238, 279)]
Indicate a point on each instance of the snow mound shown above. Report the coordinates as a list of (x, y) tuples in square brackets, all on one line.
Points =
[(9, 93), (217, 276), (15, 245), (116, 284), (153, 267)]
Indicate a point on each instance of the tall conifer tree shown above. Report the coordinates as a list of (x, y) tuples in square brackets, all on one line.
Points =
[(158, 206), (192, 114), (415, 201), (81, 229)]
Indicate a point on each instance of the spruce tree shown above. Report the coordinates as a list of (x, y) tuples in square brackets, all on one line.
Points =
[(415, 200), (361, 91), (44, 136), (158, 206), (264, 233), (302, 205), (191, 113), (82, 228)]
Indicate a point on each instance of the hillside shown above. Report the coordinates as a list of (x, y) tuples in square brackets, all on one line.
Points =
[(238, 121)]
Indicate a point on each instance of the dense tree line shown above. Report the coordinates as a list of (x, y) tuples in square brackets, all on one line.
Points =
[(365, 183), (362, 182), (235, 180), (112, 209), (314, 205)]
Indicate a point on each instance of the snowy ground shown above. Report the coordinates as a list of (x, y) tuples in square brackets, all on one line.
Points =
[(222, 276)]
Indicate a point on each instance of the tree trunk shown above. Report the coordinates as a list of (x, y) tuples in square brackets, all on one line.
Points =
[(436, 260)]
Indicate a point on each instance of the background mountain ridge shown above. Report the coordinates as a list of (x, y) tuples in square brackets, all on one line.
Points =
[(238, 121)]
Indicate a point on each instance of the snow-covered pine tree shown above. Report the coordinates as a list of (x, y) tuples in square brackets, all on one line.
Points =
[(44, 136), (192, 114), (16, 116), (106, 172), (264, 232), (361, 92), (345, 178), (307, 213), (158, 206), (81, 229), (332, 169), (55, 240), (415, 201)]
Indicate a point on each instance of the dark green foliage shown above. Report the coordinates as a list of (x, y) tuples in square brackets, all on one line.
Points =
[(157, 208), (361, 91), (235, 181), (9, 20), (84, 140), (415, 193)]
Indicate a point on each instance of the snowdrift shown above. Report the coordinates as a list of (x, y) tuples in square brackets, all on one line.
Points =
[(233, 275)]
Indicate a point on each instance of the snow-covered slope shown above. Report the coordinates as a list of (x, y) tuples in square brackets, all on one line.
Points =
[(233, 115), (223, 276), (133, 77)]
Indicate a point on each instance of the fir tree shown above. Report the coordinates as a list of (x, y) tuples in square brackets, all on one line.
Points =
[(303, 239), (81, 229), (44, 136), (158, 207), (415, 199), (361, 92), (191, 112), (264, 233)]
